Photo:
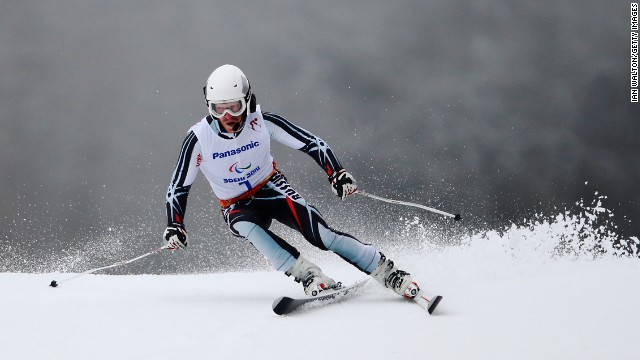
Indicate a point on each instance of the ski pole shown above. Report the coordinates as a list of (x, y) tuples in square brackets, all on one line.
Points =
[(55, 283), (456, 217)]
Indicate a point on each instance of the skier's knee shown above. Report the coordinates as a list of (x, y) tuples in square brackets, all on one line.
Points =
[(243, 228), (327, 239)]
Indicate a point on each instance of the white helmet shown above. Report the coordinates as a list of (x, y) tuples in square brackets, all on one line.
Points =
[(228, 91)]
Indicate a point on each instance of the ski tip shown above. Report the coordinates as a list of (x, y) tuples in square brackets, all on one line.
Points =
[(281, 305), (434, 303), (276, 302), (285, 305)]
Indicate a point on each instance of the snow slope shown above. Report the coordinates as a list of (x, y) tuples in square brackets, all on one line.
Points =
[(548, 290), (566, 310)]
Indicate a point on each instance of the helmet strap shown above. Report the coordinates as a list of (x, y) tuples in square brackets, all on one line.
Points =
[(251, 104), (239, 125), (204, 90)]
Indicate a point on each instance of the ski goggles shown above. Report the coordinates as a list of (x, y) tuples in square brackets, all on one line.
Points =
[(232, 107)]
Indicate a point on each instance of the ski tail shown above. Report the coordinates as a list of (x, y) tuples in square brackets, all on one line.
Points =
[(427, 302), (434, 303)]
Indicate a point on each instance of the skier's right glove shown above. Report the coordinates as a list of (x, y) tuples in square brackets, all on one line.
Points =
[(175, 236)]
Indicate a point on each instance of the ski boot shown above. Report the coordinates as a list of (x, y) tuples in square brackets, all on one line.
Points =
[(395, 279), (312, 278)]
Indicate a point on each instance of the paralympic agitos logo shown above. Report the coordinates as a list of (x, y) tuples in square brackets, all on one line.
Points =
[(236, 151), (238, 169)]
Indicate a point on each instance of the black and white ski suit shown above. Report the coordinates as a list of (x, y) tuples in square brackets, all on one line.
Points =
[(253, 192)]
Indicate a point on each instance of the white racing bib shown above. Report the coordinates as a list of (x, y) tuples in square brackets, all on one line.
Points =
[(235, 166)]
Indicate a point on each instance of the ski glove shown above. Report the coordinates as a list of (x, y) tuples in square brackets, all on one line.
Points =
[(175, 236), (343, 184)]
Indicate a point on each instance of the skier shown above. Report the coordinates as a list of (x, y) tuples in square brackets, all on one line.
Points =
[(232, 147)]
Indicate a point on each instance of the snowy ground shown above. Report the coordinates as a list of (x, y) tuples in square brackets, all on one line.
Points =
[(497, 305), (550, 289)]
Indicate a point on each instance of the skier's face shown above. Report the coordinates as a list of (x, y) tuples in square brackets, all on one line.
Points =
[(231, 123)]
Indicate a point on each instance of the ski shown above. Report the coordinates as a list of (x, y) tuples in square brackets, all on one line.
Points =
[(285, 305), (427, 302)]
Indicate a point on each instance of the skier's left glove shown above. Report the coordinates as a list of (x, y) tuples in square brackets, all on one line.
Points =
[(343, 184), (175, 236)]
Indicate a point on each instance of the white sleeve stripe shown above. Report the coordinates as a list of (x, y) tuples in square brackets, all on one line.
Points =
[(302, 134), (184, 161), (312, 145)]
